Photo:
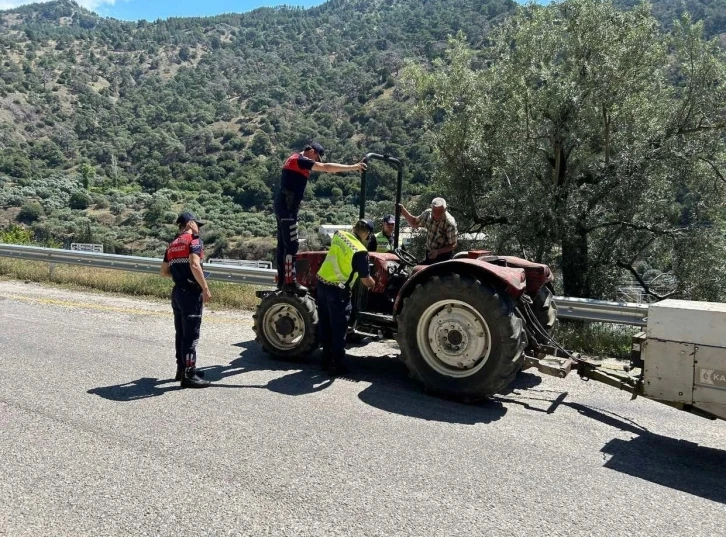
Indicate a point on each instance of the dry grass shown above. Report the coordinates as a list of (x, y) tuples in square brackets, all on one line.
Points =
[(592, 339), (225, 295)]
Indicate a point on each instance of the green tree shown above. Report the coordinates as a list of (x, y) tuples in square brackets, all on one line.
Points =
[(255, 193), (157, 211), (582, 134), (260, 144), (48, 151), (16, 165), (87, 172), (155, 177)]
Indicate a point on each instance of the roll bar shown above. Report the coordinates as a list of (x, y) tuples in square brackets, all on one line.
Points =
[(399, 186)]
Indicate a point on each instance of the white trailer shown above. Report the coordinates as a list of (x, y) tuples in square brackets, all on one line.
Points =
[(680, 359), (684, 356)]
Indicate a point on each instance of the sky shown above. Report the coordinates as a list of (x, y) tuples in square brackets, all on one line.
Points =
[(162, 9)]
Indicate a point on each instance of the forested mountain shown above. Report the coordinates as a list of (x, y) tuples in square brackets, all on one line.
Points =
[(108, 123), (711, 12), (109, 128)]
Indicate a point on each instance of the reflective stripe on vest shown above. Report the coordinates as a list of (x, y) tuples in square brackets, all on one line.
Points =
[(383, 243), (337, 269)]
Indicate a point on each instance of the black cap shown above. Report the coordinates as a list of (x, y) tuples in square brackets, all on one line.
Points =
[(184, 218), (319, 149), (368, 224), (389, 219)]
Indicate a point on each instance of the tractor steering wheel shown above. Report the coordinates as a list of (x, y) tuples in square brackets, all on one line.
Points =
[(406, 258)]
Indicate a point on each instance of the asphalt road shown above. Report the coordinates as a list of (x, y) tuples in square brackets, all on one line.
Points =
[(96, 440)]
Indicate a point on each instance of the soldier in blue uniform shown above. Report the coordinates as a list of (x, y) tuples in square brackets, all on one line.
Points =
[(294, 179), (183, 263)]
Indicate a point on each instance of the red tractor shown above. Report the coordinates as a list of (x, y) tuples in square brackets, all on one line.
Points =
[(462, 325)]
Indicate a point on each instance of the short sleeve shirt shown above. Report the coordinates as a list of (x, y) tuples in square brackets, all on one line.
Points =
[(295, 173), (177, 255), (360, 264), (438, 234)]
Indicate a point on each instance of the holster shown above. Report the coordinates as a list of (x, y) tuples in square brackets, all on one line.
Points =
[(289, 200)]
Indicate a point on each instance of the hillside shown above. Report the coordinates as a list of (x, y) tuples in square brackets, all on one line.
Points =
[(711, 12), (109, 128), (114, 125)]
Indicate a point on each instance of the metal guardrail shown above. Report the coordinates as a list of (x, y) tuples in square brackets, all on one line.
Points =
[(238, 262), (567, 308), (586, 309), (218, 272)]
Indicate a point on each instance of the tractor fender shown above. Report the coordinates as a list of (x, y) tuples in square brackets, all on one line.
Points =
[(511, 280), (538, 274)]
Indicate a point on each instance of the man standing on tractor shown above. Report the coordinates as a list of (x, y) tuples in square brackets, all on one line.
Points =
[(383, 240), (346, 261), (295, 174), (440, 231)]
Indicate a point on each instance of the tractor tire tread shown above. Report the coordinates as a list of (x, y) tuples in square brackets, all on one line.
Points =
[(506, 356), (309, 313)]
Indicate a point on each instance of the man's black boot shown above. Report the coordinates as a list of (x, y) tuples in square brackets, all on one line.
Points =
[(295, 288), (180, 373), (337, 367), (326, 361), (194, 381)]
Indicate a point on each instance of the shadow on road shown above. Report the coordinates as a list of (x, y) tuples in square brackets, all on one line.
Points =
[(677, 464), (672, 463), (136, 389), (390, 388), (304, 380), (426, 407), (297, 383)]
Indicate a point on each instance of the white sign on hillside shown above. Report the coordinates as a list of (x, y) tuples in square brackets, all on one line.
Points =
[(85, 247)]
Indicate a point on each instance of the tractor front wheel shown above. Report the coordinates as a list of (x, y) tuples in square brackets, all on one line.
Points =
[(286, 325), (460, 337)]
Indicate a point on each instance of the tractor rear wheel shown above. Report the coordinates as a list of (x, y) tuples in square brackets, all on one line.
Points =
[(286, 325), (461, 338), (545, 310)]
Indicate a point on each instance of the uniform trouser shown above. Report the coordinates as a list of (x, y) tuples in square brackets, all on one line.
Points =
[(287, 246), (187, 306), (333, 313), (437, 259)]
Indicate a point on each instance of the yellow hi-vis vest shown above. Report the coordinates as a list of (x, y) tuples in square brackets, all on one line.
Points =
[(337, 269), (383, 243)]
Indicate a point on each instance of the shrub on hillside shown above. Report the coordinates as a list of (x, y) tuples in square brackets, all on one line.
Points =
[(117, 208), (14, 234), (79, 200), (30, 212), (157, 212), (100, 201), (14, 200)]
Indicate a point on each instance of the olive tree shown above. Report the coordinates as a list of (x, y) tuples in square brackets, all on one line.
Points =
[(583, 135)]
